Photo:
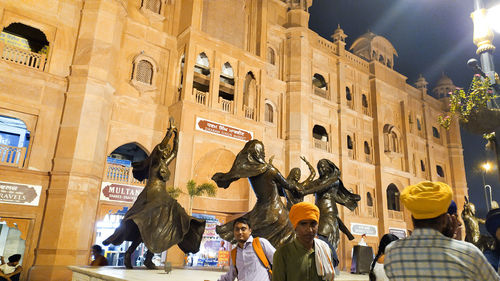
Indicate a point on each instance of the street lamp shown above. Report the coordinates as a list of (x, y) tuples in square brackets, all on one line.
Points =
[(487, 188), (484, 20)]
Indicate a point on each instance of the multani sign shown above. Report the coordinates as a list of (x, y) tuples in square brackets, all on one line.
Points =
[(120, 192), (222, 130), (20, 194)]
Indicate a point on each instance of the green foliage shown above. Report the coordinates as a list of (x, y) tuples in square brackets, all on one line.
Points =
[(468, 105), (174, 192), (200, 190)]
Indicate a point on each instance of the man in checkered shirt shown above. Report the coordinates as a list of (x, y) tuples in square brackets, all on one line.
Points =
[(427, 254)]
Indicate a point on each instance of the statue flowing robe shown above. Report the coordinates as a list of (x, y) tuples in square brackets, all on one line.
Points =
[(327, 198), (156, 218), (269, 216)]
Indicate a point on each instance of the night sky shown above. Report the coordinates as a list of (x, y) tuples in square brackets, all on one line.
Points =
[(431, 37)]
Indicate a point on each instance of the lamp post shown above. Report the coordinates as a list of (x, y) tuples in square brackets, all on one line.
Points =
[(487, 188), (483, 38)]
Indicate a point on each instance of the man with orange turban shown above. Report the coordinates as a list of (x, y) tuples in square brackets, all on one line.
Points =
[(306, 257), (428, 254)]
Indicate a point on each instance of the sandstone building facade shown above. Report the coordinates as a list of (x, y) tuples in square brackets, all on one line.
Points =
[(88, 86)]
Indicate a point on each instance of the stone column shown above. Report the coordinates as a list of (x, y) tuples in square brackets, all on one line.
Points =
[(73, 193)]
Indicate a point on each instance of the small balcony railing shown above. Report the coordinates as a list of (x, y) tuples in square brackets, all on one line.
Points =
[(350, 153), (23, 57), (249, 112), (319, 144), (350, 104), (12, 156), (321, 92), (366, 111), (395, 215), (121, 174), (226, 105), (371, 211), (368, 159), (200, 97)]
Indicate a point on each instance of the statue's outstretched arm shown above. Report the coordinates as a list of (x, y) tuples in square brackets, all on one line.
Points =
[(175, 147), (312, 172), (481, 221), (321, 187)]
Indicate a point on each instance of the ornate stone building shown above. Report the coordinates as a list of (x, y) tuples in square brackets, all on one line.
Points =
[(87, 87)]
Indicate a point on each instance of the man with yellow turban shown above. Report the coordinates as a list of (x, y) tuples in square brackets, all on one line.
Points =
[(306, 257), (428, 254)]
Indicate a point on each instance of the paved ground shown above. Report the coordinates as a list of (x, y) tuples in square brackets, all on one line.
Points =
[(141, 274)]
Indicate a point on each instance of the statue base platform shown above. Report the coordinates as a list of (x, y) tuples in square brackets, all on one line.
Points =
[(112, 273)]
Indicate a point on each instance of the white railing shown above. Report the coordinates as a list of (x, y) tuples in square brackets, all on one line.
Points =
[(366, 111), (12, 155), (321, 92), (226, 105), (121, 174), (371, 212), (249, 112), (396, 215), (200, 97), (23, 57), (320, 144), (350, 153), (350, 104)]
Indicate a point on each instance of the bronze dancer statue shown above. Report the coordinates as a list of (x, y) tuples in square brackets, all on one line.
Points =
[(156, 218), (327, 197), (294, 178), (269, 216), (471, 223)]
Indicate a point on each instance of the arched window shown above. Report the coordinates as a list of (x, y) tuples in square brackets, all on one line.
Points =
[(31, 46), (14, 141), (419, 126), (440, 171), (381, 59), (201, 75), (226, 85), (391, 139), (364, 101), (120, 160), (144, 72), (249, 95), (369, 199), (319, 133), (271, 57), (319, 81), (269, 113), (389, 64), (422, 166), (367, 148), (348, 93), (374, 55), (392, 197), (152, 5), (435, 132), (350, 144)]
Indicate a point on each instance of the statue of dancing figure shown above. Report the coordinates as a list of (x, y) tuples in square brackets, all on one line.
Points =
[(269, 216), (294, 178), (471, 222), (156, 218), (329, 191)]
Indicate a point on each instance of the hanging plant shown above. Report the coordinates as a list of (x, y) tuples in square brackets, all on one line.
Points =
[(471, 108)]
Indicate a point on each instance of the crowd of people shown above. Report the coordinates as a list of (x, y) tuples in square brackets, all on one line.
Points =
[(434, 250)]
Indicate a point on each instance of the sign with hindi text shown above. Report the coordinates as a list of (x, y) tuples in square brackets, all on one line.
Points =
[(20, 194), (222, 130), (360, 229)]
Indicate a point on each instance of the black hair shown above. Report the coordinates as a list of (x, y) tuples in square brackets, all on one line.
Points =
[(97, 248), (242, 220), (386, 240), (434, 223), (14, 258)]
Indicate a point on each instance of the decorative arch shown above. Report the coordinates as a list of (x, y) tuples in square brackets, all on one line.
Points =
[(369, 199), (348, 94), (391, 139), (250, 95), (269, 111), (319, 81), (271, 56), (14, 141), (320, 133), (132, 151), (392, 193), (234, 198)]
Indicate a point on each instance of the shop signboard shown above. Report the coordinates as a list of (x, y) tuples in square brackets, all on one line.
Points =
[(360, 229), (223, 258), (20, 194), (399, 232), (116, 192), (215, 128)]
